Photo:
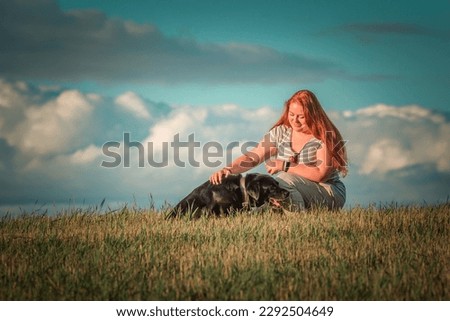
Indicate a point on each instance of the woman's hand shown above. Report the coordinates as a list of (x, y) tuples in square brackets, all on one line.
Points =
[(216, 178), (274, 166)]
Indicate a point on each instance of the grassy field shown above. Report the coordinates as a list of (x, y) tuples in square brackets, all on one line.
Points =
[(375, 253)]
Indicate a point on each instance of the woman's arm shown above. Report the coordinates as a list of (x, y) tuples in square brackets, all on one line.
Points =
[(245, 162), (316, 173)]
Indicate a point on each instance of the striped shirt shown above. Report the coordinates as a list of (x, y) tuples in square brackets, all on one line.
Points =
[(281, 136)]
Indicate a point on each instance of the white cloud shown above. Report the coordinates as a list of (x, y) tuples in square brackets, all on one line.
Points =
[(385, 138), (57, 126), (227, 127), (411, 113), (11, 94), (132, 103), (15, 98), (386, 155), (86, 155)]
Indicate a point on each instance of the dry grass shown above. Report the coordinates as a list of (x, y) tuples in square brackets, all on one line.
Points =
[(392, 253)]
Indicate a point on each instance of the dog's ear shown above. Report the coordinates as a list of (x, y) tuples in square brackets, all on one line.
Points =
[(252, 186), (253, 191), (249, 178)]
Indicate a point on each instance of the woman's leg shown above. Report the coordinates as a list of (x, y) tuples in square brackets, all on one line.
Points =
[(289, 182), (305, 193)]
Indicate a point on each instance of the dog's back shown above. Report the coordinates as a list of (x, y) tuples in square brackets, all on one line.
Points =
[(210, 198)]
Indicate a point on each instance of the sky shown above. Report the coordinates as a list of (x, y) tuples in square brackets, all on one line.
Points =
[(84, 82)]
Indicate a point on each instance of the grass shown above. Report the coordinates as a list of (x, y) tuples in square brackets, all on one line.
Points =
[(385, 253)]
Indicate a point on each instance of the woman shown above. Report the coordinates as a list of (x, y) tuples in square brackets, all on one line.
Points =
[(305, 150)]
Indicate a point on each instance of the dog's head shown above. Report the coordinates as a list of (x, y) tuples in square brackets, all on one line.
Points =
[(263, 188)]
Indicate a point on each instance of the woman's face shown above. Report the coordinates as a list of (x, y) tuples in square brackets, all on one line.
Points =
[(296, 118)]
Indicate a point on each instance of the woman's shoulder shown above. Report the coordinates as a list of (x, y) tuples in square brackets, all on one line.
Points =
[(280, 129), (279, 132)]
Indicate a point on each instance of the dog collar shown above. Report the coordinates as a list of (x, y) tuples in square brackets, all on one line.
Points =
[(245, 197)]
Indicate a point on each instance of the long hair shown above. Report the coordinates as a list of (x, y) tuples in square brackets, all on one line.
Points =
[(320, 125)]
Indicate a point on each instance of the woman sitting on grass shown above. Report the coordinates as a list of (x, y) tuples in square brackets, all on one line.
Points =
[(305, 150)]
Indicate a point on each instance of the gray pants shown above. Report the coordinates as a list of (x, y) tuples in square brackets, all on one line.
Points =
[(305, 193)]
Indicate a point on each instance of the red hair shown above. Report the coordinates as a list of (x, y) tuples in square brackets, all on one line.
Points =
[(320, 125)]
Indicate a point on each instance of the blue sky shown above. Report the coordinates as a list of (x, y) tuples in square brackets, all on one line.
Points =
[(77, 74)]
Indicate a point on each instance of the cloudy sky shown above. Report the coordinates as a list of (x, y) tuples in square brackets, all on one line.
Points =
[(79, 76)]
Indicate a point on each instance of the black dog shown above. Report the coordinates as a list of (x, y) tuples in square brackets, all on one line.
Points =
[(234, 193)]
